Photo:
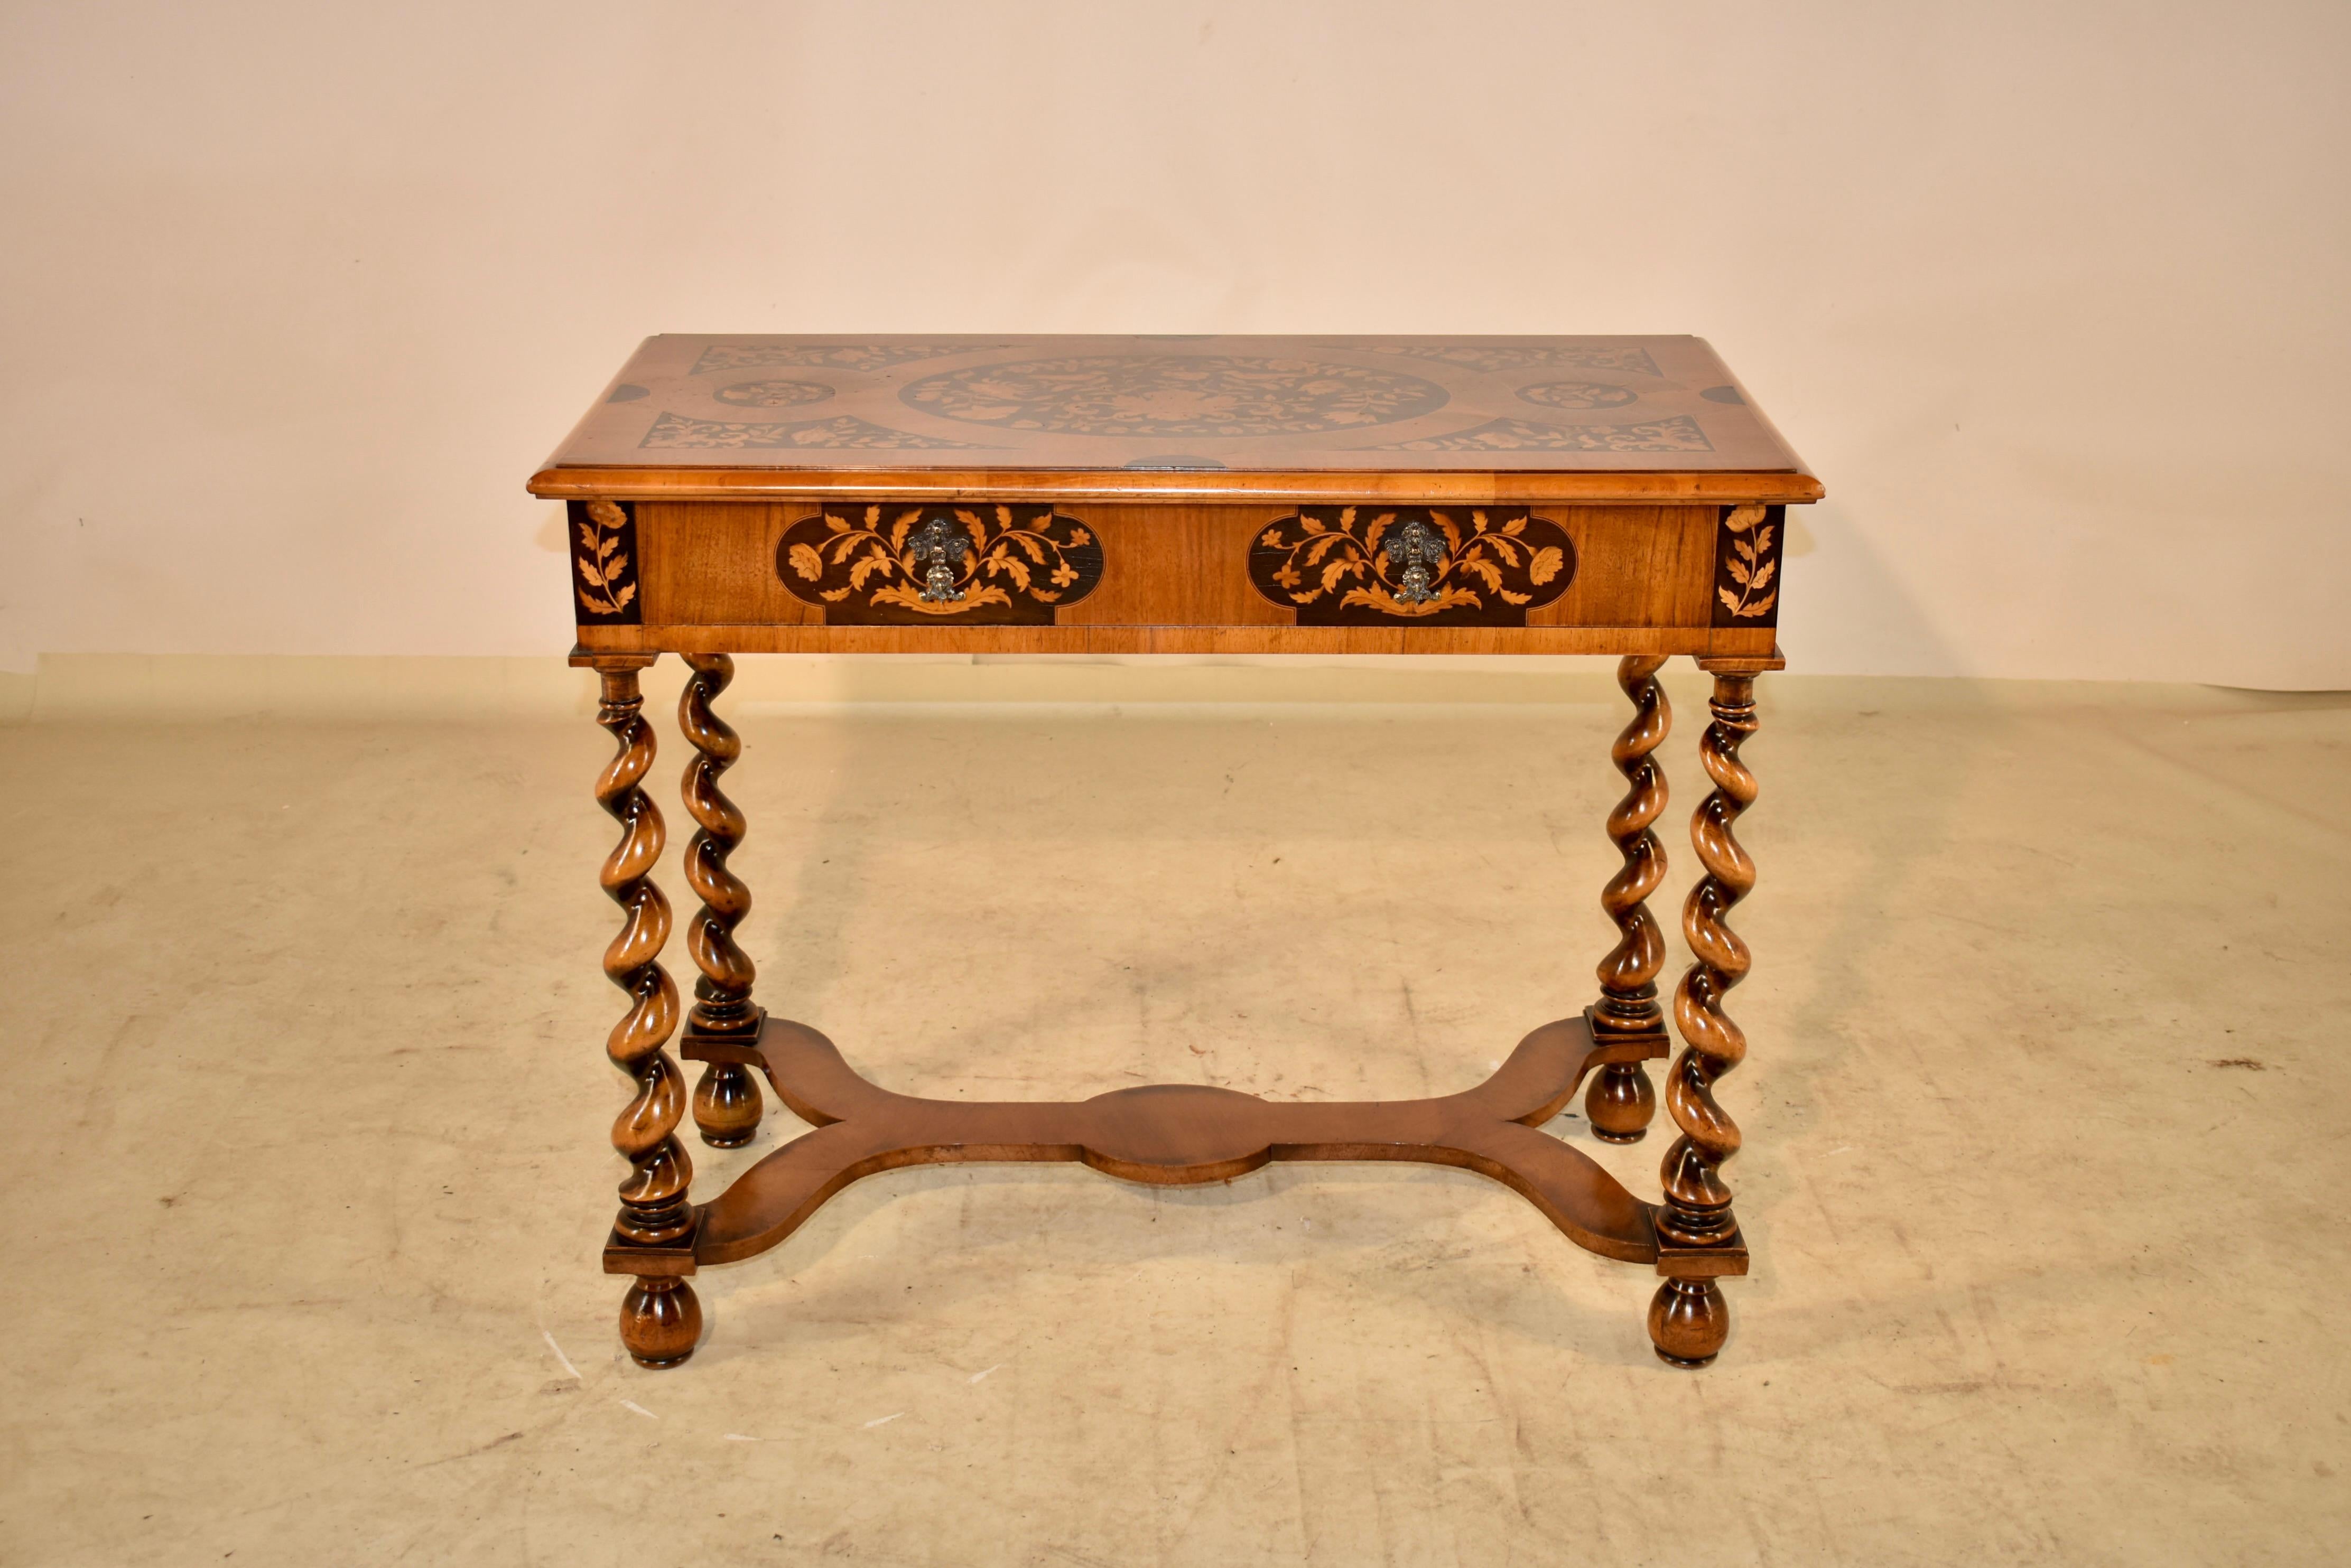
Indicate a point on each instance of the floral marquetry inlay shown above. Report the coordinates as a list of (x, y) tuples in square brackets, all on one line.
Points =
[(829, 356), (1747, 565), (1249, 408), (1679, 434), (1529, 356), (1175, 395), (843, 430), (771, 393), (1579, 395), (1432, 566), (603, 562), (934, 565)]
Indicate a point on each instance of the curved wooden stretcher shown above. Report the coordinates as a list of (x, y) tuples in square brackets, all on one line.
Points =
[(1172, 1136)]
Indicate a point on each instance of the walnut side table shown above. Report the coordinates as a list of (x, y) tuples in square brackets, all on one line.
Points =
[(1336, 494)]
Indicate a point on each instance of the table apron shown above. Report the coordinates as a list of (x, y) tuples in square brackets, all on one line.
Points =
[(855, 575)]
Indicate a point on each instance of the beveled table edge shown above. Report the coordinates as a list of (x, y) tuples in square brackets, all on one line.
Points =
[(1472, 487)]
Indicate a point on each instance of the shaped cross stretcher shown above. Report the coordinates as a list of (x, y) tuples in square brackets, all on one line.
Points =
[(1168, 1135)]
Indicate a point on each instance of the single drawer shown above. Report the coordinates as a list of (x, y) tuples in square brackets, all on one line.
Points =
[(862, 574)]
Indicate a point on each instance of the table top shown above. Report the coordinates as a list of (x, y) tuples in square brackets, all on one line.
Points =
[(1201, 414)]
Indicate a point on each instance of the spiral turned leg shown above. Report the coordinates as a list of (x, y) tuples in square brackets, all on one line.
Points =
[(1689, 1320), (1620, 1101), (660, 1318), (727, 1105)]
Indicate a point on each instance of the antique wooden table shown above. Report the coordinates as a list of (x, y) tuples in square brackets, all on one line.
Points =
[(1336, 494)]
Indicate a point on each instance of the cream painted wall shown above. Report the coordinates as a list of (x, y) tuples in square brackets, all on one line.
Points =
[(2053, 294)]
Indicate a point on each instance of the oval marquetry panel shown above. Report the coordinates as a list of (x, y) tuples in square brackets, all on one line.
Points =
[(936, 565), (1412, 566)]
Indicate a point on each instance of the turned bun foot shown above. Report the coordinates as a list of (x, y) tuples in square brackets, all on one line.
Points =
[(1620, 1104), (727, 1105), (1688, 1321), (660, 1322)]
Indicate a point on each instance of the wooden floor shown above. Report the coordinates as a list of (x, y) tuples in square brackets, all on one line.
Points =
[(2043, 1169)]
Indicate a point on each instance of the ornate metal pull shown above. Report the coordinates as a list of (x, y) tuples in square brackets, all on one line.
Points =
[(939, 547), (1416, 548)]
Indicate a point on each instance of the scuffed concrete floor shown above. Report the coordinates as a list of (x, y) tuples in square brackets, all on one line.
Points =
[(2044, 1170)]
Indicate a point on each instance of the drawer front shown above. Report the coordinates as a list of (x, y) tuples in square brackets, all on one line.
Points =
[(939, 564), (1075, 576)]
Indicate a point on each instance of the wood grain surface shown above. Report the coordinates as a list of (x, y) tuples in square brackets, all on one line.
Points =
[(1200, 496), (1174, 1135), (716, 577), (1029, 418)]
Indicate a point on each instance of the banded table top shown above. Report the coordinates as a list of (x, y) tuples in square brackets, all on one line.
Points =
[(1465, 418)]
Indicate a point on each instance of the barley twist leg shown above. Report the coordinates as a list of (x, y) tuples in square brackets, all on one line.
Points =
[(1689, 1320), (660, 1319), (1620, 1101), (727, 1105)]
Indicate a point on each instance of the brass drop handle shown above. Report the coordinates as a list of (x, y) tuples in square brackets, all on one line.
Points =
[(1415, 547), (939, 547)]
